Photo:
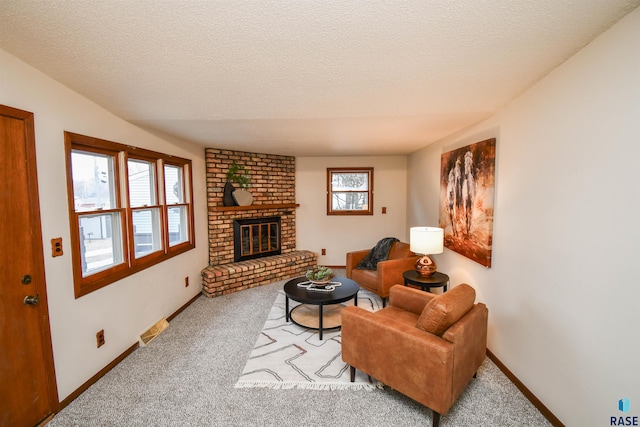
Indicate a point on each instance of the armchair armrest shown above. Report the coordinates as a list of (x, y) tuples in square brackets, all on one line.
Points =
[(353, 259), (472, 328), (390, 272), (409, 299), (469, 337)]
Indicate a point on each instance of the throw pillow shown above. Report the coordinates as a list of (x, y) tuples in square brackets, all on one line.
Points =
[(446, 309)]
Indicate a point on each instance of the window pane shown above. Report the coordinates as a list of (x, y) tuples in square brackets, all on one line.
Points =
[(178, 225), (93, 181), (173, 184), (100, 242), (141, 183), (353, 201), (146, 231), (355, 181)]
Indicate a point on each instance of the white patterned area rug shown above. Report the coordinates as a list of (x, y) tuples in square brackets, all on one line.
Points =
[(288, 356)]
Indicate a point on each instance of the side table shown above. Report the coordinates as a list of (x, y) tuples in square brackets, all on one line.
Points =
[(436, 280)]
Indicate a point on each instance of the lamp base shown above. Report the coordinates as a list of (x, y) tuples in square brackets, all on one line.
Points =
[(425, 266)]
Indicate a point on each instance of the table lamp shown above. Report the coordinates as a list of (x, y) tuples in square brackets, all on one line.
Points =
[(425, 241)]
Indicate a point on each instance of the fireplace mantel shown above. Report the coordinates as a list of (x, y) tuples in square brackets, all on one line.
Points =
[(253, 207)]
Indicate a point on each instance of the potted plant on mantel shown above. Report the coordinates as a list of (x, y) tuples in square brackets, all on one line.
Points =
[(237, 197)]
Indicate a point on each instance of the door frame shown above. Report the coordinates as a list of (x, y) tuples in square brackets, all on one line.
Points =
[(38, 252)]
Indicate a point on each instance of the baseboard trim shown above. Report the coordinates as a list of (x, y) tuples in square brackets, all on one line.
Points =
[(65, 402), (187, 304), (527, 393), (73, 396), (46, 420)]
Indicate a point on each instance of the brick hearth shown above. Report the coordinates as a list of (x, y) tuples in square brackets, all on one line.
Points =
[(237, 276), (273, 190)]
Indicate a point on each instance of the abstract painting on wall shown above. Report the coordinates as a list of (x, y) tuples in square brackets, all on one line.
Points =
[(467, 182)]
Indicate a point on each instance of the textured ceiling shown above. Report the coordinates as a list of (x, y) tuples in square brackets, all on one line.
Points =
[(303, 77)]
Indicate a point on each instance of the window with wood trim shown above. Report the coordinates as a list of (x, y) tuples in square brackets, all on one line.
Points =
[(349, 191), (130, 208)]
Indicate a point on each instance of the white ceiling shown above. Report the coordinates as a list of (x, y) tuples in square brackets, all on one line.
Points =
[(303, 77)]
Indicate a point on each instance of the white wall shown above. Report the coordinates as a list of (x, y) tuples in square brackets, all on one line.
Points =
[(342, 233), (564, 290), (123, 309)]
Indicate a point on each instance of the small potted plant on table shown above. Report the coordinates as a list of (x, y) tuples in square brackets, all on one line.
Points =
[(320, 276)]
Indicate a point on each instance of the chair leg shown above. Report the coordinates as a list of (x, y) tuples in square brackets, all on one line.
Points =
[(352, 373), (436, 419)]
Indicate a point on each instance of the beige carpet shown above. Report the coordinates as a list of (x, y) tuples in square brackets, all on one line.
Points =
[(186, 378)]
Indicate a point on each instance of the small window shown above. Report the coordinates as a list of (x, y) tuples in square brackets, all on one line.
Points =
[(349, 191)]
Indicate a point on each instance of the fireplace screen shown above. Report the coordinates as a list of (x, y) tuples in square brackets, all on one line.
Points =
[(254, 238)]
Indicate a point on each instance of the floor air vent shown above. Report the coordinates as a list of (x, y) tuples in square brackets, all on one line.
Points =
[(147, 336)]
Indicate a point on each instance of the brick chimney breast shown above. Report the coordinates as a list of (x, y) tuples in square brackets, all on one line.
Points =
[(273, 189)]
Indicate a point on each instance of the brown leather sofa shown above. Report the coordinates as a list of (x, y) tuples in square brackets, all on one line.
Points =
[(426, 346), (388, 273)]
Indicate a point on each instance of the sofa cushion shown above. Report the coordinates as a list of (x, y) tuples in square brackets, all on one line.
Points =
[(446, 309)]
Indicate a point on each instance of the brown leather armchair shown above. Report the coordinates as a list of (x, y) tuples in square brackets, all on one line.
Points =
[(426, 346), (388, 273)]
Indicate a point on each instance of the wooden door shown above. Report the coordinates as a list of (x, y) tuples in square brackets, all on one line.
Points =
[(27, 380)]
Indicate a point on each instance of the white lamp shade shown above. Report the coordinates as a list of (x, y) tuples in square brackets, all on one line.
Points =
[(426, 240)]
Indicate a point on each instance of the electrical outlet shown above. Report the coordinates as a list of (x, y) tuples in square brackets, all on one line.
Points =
[(56, 247), (100, 338), (186, 282), (324, 251)]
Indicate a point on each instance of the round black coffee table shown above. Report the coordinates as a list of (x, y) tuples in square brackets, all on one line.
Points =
[(344, 290)]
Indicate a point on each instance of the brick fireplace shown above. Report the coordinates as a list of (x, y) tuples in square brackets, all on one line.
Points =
[(273, 190)]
